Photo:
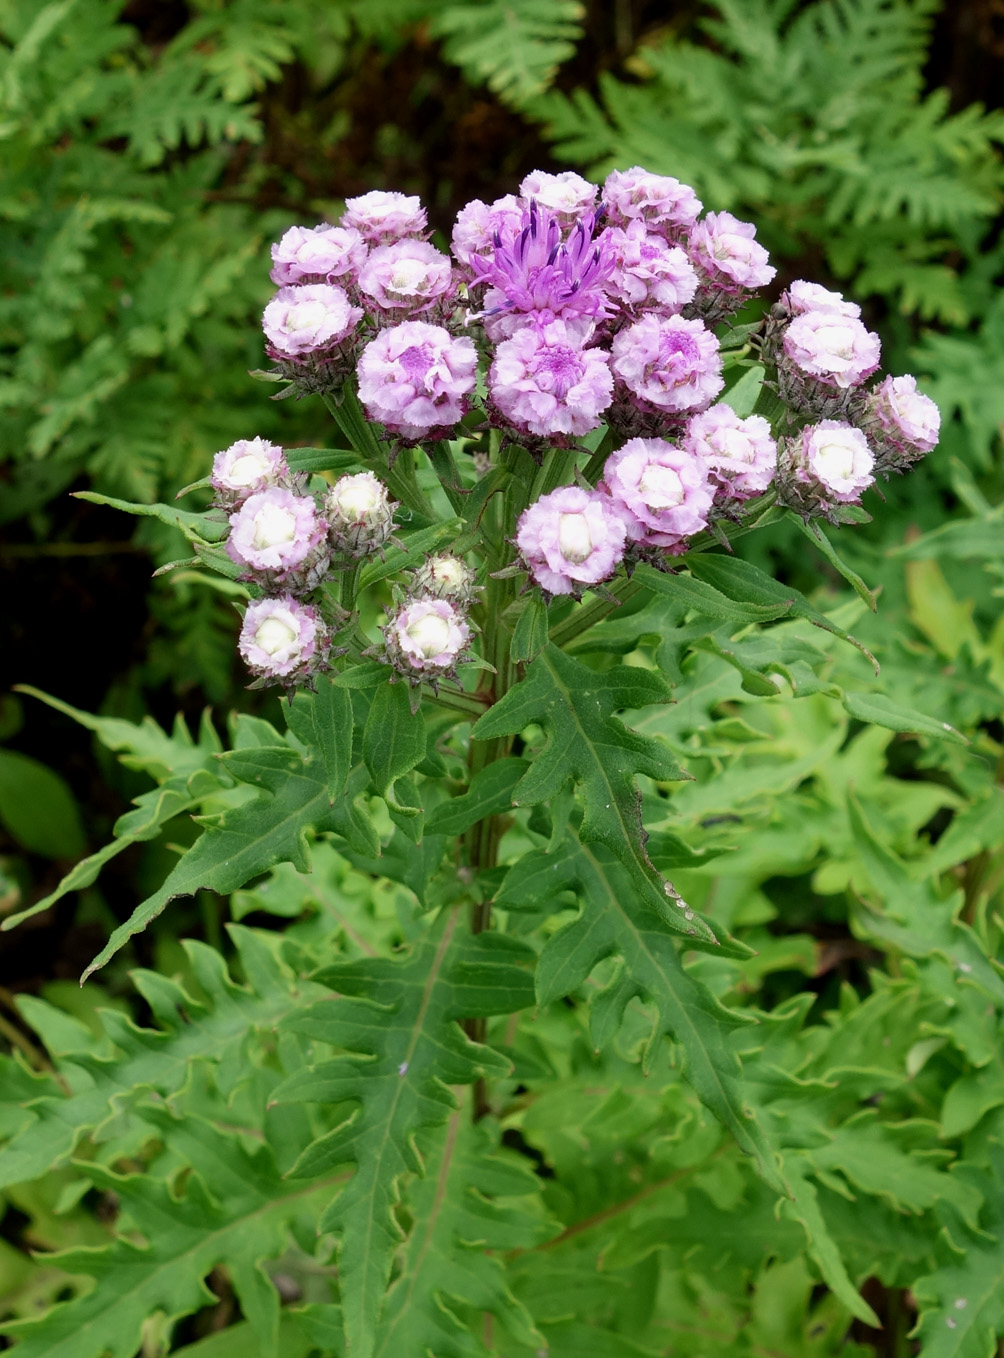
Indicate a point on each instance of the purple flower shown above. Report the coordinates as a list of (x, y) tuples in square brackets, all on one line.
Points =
[(380, 217), (247, 466), (647, 271), (571, 539), (545, 385), (280, 637), (834, 349), (415, 379), (567, 194), (740, 453), (407, 277), (321, 255), (360, 514), (536, 273), (426, 639), (479, 223), (662, 492), (909, 420), (725, 253), (804, 296), (831, 460), (666, 206), (308, 321), (279, 537), (668, 363)]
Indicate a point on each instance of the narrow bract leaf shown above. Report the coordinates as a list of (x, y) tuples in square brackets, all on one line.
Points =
[(490, 794)]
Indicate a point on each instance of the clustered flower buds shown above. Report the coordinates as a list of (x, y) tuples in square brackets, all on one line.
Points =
[(564, 308)]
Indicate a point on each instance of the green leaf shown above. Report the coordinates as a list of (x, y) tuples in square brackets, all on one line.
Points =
[(393, 741), (703, 598), (38, 809), (197, 528), (490, 794), (819, 540), (529, 636), (612, 922), (397, 1023), (585, 741), (881, 710), (746, 583)]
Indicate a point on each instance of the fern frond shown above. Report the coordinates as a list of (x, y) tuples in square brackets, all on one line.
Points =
[(514, 46)]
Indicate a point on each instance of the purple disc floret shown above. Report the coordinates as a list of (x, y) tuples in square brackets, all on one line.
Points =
[(415, 379), (662, 492), (741, 454), (307, 322), (666, 206), (668, 364), (324, 254), (381, 216), (281, 639), (571, 539), (545, 385)]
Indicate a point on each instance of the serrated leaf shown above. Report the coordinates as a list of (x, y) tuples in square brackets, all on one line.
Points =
[(575, 706), (398, 1021), (611, 922), (393, 741)]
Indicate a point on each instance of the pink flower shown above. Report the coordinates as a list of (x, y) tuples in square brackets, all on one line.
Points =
[(479, 223), (415, 379), (909, 419), (740, 453), (545, 385), (279, 536), (725, 253), (662, 492), (833, 459), (834, 349), (666, 206), (380, 217), (570, 539), (247, 466), (647, 271), (321, 255), (804, 296), (426, 638), (407, 277), (670, 364), (311, 320), (567, 194), (280, 637)]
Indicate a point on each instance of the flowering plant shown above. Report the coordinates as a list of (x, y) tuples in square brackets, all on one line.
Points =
[(548, 446)]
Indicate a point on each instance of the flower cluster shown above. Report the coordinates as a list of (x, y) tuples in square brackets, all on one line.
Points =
[(565, 307)]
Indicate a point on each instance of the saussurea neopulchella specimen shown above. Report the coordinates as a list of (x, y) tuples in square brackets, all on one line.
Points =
[(559, 422)]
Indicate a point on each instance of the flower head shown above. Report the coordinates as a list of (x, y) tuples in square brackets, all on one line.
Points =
[(360, 514), (668, 363), (406, 278), (308, 321), (280, 539), (415, 379), (828, 463), (322, 255), (445, 576), (804, 296), (380, 217), (834, 349), (545, 385), (661, 491), (282, 639), (478, 224), (648, 272), (740, 453), (426, 638), (247, 466), (567, 194), (727, 256), (908, 422), (537, 273), (666, 206), (571, 539)]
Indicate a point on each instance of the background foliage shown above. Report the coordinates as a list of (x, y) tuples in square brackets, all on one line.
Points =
[(150, 155)]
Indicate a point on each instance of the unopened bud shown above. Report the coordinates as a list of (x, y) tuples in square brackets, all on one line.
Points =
[(445, 577), (360, 514)]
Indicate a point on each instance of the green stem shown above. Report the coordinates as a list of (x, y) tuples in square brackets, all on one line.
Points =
[(445, 467), (348, 584), (400, 479), (552, 473), (580, 619), (591, 471)]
